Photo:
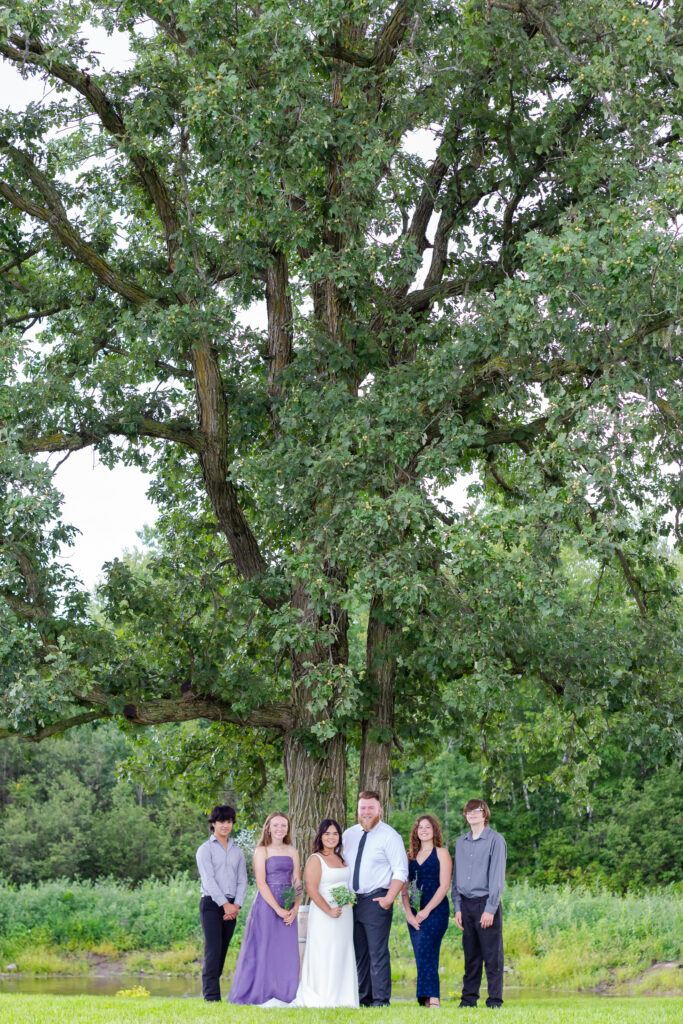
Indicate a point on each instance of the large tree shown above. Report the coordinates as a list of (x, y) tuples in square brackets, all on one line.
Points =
[(462, 221)]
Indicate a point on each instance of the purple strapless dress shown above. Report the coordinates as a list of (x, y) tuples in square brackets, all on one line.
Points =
[(268, 962)]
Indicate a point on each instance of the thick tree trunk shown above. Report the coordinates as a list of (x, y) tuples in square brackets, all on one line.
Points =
[(316, 786), (378, 727), (316, 781)]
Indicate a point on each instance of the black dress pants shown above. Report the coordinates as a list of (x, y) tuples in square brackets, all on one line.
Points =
[(481, 946), (371, 927), (217, 935)]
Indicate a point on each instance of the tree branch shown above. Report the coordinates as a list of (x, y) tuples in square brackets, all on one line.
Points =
[(276, 715), (487, 275), (392, 34), (159, 711), (26, 51), (337, 51), (17, 262), (386, 45), (424, 208), (57, 728), (33, 316), (280, 319), (24, 609), (170, 28), (56, 220), (213, 425), (535, 17), (500, 479), (140, 426)]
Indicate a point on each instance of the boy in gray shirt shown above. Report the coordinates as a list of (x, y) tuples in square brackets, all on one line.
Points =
[(478, 880), (223, 872)]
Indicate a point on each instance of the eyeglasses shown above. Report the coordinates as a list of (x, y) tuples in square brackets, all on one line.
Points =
[(475, 810)]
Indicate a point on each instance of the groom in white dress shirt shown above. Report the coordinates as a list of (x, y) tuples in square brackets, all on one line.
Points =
[(376, 857)]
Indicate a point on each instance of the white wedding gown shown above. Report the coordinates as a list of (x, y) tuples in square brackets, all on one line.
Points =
[(328, 973)]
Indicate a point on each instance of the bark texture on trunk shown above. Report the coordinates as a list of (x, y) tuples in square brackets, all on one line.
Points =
[(316, 786), (316, 782), (280, 317), (378, 728)]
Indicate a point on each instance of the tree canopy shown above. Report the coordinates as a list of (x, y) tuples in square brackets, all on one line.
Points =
[(460, 221)]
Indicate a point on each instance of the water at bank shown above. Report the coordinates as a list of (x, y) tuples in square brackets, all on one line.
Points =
[(190, 987)]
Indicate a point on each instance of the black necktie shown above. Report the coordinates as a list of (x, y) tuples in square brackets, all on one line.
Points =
[(356, 867)]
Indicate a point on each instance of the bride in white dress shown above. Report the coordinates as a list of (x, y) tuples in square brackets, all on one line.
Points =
[(328, 973)]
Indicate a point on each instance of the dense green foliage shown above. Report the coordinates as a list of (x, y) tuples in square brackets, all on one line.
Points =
[(64, 807), (629, 836), (85, 915), (64, 813), (623, 831), (462, 220)]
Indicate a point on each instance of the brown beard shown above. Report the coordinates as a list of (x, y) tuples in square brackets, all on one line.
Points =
[(374, 822)]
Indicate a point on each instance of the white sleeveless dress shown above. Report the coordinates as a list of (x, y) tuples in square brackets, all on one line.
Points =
[(328, 973)]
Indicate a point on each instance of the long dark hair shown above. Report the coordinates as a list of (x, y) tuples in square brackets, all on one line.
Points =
[(317, 845)]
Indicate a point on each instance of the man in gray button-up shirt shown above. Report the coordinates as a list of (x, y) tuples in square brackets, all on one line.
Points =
[(478, 880), (223, 872)]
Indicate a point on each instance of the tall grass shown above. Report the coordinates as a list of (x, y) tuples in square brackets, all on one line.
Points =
[(558, 937), (554, 937), (569, 934), (84, 915)]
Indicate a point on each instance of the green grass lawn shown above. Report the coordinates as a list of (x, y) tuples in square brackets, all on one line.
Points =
[(16, 1009)]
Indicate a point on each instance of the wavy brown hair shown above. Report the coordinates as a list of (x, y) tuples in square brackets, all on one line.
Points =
[(266, 838), (415, 843)]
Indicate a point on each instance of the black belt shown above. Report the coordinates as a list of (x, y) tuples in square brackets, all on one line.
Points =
[(372, 895)]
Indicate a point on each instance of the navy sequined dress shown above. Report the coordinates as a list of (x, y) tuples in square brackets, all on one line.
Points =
[(427, 940)]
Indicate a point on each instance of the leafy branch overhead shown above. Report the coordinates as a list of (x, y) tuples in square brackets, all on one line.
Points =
[(460, 227)]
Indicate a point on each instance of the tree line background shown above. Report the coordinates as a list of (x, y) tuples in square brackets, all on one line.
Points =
[(66, 810)]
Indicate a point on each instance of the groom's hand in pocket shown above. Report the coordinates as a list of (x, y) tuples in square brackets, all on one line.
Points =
[(384, 902)]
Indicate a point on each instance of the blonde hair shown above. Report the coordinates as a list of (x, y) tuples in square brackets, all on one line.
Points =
[(266, 838)]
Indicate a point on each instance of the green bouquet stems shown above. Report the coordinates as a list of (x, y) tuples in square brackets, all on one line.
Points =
[(290, 895), (342, 896), (414, 895)]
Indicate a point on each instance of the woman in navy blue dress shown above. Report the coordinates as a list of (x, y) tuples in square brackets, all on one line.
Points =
[(429, 879)]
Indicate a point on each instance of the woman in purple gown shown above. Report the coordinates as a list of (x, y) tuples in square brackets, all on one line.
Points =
[(267, 968)]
